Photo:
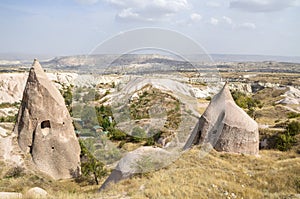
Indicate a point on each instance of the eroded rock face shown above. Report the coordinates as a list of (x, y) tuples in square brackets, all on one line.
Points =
[(226, 127), (44, 127)]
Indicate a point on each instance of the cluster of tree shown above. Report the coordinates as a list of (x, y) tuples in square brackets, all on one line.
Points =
[(246, 102), (66, 92), (286, 140)]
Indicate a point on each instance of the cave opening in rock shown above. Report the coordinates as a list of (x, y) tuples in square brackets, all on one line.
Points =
[(45, 124)]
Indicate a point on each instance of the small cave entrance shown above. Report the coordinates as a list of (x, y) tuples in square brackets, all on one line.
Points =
[(45, 127), (45, 124)]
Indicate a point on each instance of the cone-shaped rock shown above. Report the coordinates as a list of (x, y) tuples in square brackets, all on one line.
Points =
[(226, 127), (44, 127)]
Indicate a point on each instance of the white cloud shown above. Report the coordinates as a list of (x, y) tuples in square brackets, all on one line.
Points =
[(128, 13), (213, 4), (263, 5), (247, 25), (214, 21), (146, 10), (195, 17), (228, 20)]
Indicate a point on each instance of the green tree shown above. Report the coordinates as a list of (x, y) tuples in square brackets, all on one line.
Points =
[(293, 128), (246, 102), (89, 117), (286, 140), (90, 166)]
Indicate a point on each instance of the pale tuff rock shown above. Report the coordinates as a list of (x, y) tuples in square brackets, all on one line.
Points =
[(141, 160), (10, 152), (36, 192), (11, 87), (44, 127), (12, 84), (226, 127), (10, 195), (291, 97)]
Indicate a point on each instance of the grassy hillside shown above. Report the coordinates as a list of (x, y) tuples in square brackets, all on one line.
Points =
[(218, 175)]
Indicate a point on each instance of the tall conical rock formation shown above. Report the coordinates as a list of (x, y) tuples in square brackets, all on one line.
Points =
[(44, 127), (226, 127)]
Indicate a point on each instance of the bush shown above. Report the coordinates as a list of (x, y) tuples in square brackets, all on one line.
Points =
[(291, 115), (244, 101), (66, 92), (15, 172), (9, 105), (10, 118), (285, 142), (116, 134), (293, 128), (90, 166)]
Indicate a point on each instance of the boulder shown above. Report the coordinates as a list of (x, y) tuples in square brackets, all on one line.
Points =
[(141, 160), (36, 192), (10, 195), (226, 127), (44, 127), (3, 132)]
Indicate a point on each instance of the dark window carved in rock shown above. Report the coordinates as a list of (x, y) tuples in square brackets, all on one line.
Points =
[(45, 124)]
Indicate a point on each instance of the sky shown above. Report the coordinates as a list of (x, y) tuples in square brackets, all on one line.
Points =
[(69, 27)]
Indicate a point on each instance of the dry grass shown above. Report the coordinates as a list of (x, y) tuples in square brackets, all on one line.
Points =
[(218, 175), (271, 114)]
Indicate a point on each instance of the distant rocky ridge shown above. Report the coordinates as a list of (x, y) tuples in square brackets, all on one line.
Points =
[(44, 127)]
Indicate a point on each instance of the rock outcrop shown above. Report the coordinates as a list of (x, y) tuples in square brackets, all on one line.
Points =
[(226, 127), (141, 160), (11, 87), (44, 127), (12, 84)]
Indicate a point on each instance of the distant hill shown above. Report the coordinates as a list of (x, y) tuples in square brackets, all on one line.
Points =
[(215, 57), (254, 58)]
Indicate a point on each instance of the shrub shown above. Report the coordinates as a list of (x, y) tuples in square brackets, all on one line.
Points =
[(291, 115), (293, 128), (9, 105), (116, 134), (285, 141), (10, 118), (15, 172), (246, 102), (66, 92), (90, 166)]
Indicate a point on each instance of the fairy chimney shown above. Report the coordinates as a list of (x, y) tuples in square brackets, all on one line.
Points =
[(226, 127), (44, 127)]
